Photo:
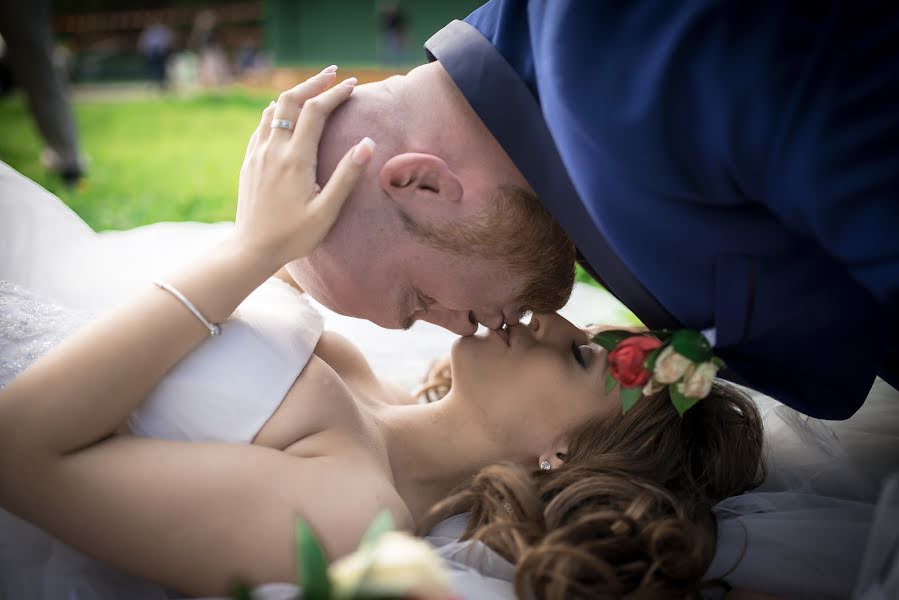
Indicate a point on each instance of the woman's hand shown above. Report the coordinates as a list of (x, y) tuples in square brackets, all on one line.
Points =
[(282, 213)]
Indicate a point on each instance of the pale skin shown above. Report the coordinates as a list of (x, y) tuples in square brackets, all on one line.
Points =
[(196, 516)]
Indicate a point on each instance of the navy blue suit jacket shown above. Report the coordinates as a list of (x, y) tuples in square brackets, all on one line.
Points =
[(726, 165)]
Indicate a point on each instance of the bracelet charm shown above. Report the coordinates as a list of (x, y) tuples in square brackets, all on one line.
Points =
[(214, 328)]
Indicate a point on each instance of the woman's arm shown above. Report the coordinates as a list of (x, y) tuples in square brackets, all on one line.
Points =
[(85, 388), (174, 505)]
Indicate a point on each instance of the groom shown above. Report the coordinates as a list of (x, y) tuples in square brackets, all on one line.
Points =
[(723, 167)]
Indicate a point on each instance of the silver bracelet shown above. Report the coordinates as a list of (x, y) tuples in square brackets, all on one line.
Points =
[(214, 328)]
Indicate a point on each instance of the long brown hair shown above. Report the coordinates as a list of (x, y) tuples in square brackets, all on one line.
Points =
[(628, 513)]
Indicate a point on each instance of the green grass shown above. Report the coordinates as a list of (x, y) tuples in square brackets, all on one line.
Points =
[(166, 159)]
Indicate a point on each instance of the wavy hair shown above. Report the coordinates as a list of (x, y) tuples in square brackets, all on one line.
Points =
[(628, 513)]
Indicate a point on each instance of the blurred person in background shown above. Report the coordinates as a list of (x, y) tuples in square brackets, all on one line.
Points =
[(5, 75), (213, 69), (155, 46), (394, 25), (25, 27)]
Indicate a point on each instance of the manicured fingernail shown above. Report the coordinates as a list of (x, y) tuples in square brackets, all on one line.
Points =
[(271, 104), (350, 82), (363, 151), (331, 69)]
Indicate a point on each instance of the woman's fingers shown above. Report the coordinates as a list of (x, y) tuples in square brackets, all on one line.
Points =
[(290, 101), (305, 140), (263, 129), (280, 207), (290, 107), (327, 204)]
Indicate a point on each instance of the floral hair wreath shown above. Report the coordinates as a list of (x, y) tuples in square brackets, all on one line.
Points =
[(644, 363)]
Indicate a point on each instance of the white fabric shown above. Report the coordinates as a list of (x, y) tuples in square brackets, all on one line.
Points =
[(229, 387), (806, 532)]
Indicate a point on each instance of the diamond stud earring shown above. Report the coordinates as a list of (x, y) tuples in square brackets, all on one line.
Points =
[(545, 465)]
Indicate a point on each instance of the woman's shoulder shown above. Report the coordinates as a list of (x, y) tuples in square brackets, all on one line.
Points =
[(342, 355)]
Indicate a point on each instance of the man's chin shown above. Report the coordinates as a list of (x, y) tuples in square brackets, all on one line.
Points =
[(330, 301), (299, 272)]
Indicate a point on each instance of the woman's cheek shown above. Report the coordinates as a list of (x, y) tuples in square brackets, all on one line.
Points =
[(540, 381)]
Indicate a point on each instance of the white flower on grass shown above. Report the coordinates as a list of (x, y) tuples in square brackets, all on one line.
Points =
[(396, 565), (670, 366), (698, 382)]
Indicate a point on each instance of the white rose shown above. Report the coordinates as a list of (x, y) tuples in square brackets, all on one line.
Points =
[(670, 366), (653, 387), (698, 383), (396, 565)]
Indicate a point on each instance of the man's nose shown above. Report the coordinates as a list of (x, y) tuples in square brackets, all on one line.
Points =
[(490, 321), (458, 321)]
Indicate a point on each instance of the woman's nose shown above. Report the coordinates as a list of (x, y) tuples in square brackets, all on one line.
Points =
[(550, 328)]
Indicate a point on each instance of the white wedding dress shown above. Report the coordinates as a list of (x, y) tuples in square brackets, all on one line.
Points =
[(807, 533)]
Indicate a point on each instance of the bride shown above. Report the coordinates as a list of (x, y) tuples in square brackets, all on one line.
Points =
[(583, 501)]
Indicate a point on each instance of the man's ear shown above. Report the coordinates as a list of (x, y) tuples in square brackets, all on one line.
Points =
[(421, 182)]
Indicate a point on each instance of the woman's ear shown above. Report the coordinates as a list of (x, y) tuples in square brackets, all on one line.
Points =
[(415, 181), (556, 458)]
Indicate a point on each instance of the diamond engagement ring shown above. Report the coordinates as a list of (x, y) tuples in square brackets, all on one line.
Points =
[(283, 124)]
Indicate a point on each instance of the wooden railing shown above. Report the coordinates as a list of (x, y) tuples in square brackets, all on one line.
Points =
[(137, 20)]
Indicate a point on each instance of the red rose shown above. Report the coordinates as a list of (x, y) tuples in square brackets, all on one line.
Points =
[(626, 360)]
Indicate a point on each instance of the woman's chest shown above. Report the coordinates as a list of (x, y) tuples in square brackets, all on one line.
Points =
[(318, 416)]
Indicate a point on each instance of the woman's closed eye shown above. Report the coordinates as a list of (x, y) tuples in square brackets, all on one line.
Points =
[(582, 354)]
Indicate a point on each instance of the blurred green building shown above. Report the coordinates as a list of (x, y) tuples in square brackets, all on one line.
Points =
[(355, 32), (101, 36)]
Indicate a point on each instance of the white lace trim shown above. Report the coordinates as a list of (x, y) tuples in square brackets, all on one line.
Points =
[(30, 325)]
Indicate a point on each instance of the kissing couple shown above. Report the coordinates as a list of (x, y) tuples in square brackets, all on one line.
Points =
[(174, 437)]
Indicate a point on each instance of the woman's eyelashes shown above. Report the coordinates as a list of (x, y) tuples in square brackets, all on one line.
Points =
[(578, 354)]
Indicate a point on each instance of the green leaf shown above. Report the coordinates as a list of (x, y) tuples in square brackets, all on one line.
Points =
[(611, 338), (312, 568), (241, 591), (719, 363), (650, 363), (611, 382), (663, 335), (681, 403), (379, 526), (692, 344), (629, 397)]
